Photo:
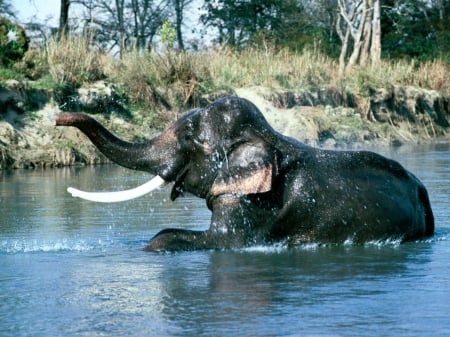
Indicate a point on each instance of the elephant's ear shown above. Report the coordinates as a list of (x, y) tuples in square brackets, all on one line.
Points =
[(248, 169)]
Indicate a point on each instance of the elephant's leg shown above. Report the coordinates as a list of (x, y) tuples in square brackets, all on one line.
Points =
[(237, 221), (227, 230), (233, 225), (178, 239)]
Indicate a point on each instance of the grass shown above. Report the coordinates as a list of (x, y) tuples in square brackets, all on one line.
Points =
[(177, 79), (66, 145), (10, 74), (71, 60)]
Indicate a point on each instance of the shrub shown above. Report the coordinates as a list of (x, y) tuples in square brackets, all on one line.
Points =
[(163, 79), (33, 65), (73, 62), (13, 42)]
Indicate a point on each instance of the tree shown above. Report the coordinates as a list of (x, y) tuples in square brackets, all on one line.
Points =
[(442, 24), (221, 15), (64, 17), (286, 23), (179, 8), (293, 27), (416, 28), (120, 4), (148, 17), (316, 25), (375, 47), (122, 25), (238, 22), (358, 20), (13, 42), (6, 9)]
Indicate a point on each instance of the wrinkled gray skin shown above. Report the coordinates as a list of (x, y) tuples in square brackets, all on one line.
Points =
[(263, 187)]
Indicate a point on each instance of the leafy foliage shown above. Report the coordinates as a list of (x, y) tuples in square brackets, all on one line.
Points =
[(13, 42), (410, 29), (168, 34), (33, 65), (415, 29), (241, 23), (123, 25)]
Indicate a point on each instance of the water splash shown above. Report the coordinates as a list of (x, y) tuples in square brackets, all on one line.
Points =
[(36, 246), (283, 247), (273, 248), (442, 234), (389, 242)]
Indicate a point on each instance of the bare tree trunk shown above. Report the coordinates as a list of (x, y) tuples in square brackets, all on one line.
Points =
[(179, 4), (121, 26), (367, 35), (357, 26), (348, 11), (64, 18), (375, 48), (140, 42), (441, 5), (360, 19), (344, 41)]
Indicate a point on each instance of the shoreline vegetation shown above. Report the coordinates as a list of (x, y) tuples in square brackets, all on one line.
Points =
[(301, 94)]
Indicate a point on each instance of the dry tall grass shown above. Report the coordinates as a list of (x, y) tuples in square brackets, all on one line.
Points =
[(71, 61), (180, 78), (283, 69)]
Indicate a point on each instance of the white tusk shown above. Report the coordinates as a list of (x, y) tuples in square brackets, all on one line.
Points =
[(133, 193)]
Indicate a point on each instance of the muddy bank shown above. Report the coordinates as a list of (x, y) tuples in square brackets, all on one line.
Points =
[(331, 118), (326, 118)]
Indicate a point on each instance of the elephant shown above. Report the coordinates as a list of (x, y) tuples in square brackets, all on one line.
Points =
[(262, 187)]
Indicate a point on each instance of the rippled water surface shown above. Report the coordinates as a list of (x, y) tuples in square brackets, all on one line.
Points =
[(74, 268)]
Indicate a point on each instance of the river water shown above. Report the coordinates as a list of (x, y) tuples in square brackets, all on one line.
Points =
[(70, 267)]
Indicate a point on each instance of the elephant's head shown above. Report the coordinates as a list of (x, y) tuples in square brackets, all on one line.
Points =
[(221, 149)]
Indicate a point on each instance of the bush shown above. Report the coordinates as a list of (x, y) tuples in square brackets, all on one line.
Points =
[(13, 42), (33, 64), (72, 61), (163, 80)]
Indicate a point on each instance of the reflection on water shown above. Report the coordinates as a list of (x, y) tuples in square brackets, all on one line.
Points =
[(291, 286), (75, 268)]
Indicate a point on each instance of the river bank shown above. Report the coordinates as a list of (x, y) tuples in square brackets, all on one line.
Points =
[(326, 118)]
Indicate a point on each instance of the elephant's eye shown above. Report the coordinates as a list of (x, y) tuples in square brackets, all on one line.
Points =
[(186, 132), (185, 136), (189, 125)]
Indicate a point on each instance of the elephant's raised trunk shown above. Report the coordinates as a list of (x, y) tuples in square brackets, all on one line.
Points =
[(137, 156), (127, 154)]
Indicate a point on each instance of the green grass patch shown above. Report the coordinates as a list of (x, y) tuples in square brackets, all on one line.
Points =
[(66, 145), (10, 74)]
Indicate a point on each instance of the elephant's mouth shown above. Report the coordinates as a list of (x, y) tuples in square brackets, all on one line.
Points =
[(178, 187)]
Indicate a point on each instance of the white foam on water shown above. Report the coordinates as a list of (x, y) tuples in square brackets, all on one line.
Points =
[(36, 246), (390, 242), (439, 237), (274, 248), (282, 247)]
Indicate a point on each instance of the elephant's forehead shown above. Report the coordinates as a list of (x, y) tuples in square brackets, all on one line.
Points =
[(190, 115), (220, 117)]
